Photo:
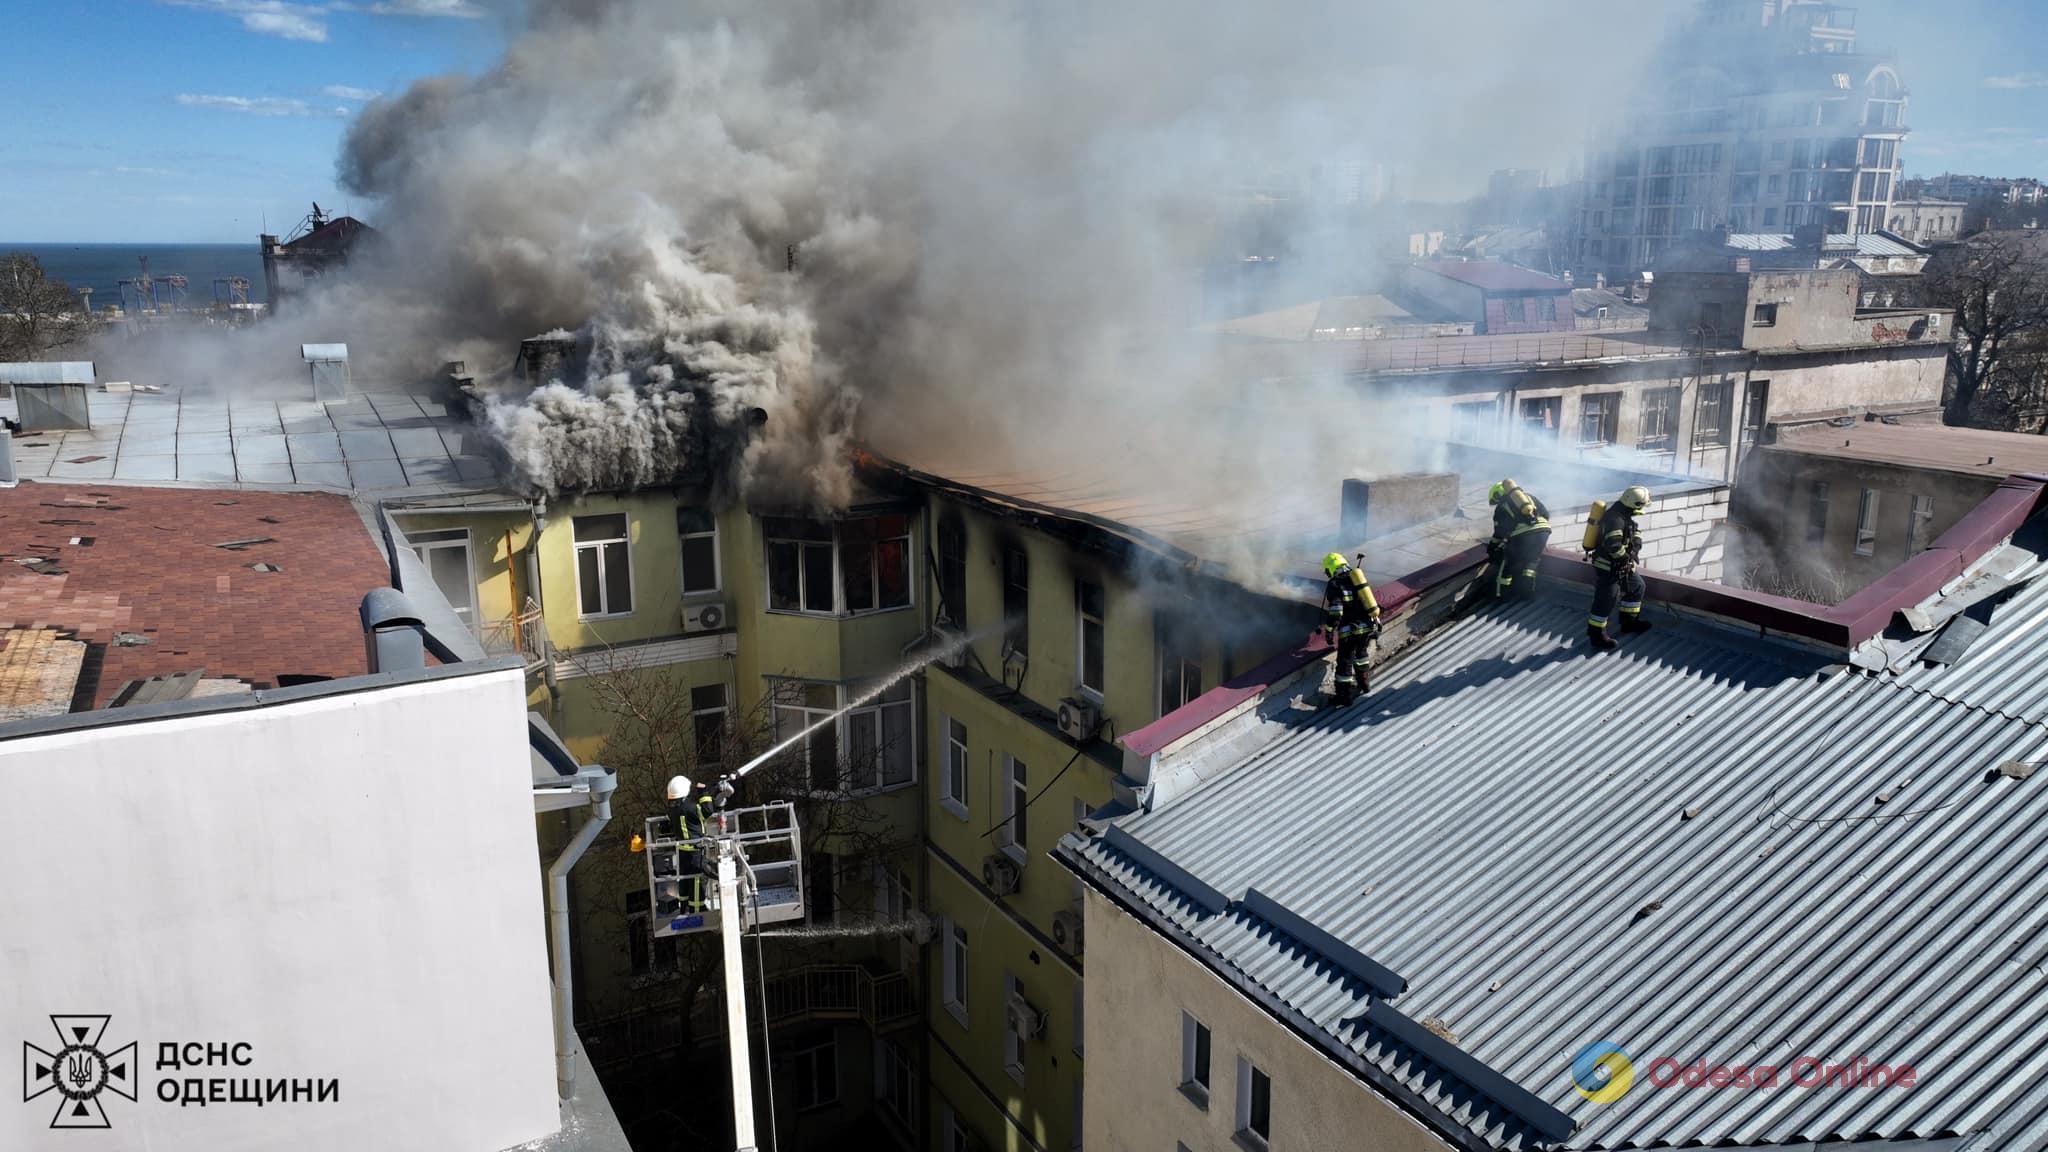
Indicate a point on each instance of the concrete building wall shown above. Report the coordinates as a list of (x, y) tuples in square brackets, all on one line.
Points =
[(1793, 537), (1133, 1097), (347, 884)]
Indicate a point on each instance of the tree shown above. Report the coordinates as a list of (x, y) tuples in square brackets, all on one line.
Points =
[(1997, 282), (37, 313)]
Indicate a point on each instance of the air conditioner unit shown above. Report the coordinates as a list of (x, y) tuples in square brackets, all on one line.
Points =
[(1025, 1020), (1066, 930), (704, 617), (1001, 874), (1078, 719)]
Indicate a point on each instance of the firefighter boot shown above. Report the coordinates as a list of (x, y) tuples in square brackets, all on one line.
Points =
[(1632, 623), (1345, 693), (1599, 639)]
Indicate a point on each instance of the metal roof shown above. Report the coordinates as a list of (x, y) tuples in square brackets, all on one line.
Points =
[(1494, 276), (1938, 447), (1864, 243), (1702, 846), (33, 372)]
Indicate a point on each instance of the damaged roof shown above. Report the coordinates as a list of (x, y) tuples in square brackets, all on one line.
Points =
[(131, 583), (1703, 846)]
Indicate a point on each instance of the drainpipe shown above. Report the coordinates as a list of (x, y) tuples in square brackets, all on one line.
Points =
[(558, 928)]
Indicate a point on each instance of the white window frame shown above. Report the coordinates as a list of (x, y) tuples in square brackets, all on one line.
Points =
[(1171, 656), (956, 962), (1866, 522), (838, 608), (1246, 1071), (1081, 618), (632, 592), (808, 1055), (1192, 1086), (1016, 790), (1013, 1041), (954, 1133), (842, 731), (1922, 521), (954, 794), (722, 711), (443, 539), (717, 559), (891, 1068)]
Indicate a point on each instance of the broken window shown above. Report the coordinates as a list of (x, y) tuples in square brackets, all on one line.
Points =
[(1599, 418), (1540, 416), (1180, 669), (814, 567), (953, 570), (1016, 600), (1866, 523), (699, 534), (604, 567)]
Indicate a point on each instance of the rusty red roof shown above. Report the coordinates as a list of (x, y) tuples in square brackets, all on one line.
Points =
[(138, 575)]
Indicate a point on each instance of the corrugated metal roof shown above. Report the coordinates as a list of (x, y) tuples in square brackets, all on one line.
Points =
[(1701, 846), (1864, 243), (34, 372)]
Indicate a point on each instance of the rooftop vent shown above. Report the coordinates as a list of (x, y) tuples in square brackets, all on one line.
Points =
[(329, 364)]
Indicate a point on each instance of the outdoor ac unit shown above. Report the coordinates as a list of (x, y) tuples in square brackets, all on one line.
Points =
[(1001, 874), (704, 617), (1078, 719), (1066, 930), (1025, 1020)]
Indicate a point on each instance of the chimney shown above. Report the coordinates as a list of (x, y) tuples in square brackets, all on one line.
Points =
[(1599, 279)]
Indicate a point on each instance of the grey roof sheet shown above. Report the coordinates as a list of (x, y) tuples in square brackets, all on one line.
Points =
[(1679, 848), (1865, 243)]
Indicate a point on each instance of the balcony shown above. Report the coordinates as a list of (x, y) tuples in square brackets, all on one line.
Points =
[(523, 634)]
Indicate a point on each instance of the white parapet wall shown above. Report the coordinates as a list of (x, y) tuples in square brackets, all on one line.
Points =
[(338, 892), (1682, 533)]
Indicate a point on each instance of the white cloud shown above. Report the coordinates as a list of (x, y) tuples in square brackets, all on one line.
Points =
[(350, 92), (253, 105), (2018, 80), (308, 20), (461, 9)]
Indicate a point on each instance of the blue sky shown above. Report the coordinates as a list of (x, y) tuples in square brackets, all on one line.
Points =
[(195, 120), (199, 120)]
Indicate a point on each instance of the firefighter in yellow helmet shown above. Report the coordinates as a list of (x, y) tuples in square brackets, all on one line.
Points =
[(1617, 546), (1351, 619), (1521, 530)]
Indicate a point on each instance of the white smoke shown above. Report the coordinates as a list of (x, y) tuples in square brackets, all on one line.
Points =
[(998, 215)]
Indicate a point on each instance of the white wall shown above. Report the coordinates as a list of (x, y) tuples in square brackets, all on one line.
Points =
[(349, 884)]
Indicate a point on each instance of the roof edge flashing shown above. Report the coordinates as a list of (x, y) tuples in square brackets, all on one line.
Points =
[(1547, 1120), (1376, 976), (1187, 884)]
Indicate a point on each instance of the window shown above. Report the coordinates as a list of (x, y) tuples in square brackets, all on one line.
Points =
[(699, 533), (1016, 600), (1778, 151), (1194, 1060), (892, 893), (1088, 606), (1513, 310), (1013, 1040), (604, 566), (955, 976), (871, 556), (650, 955), (1657, 429), (1866, 523), (1016, 802), (953, 571), (1921, 528), (1710, 424), (867, 747), (707, 716), (1599, 418), (874, 562), (1180, 670), (1474, 423), (1755, 409), (1817, 512), (895, 1081), (1540, 419), (1254, 1105), (955, 1134), (1774, 185), (814, 1076), (1710, 315), (953, 786), (445, 553)]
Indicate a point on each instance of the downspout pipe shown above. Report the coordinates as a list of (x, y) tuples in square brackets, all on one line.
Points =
[(558, 932)]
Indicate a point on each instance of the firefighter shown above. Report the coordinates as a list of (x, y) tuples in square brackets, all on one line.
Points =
[(1351, 619), (1617, 545), (689, 819), (1521, 530)]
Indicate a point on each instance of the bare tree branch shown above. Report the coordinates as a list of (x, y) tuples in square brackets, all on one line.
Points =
[(37, 313)]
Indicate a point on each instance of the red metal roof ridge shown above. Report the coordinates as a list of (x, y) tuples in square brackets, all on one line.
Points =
[(1394, 596), (1844, 625)]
